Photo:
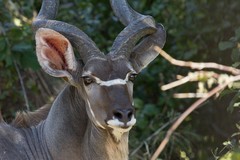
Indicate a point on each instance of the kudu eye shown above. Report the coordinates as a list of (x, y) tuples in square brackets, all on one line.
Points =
[(132, 77), (87, 80)]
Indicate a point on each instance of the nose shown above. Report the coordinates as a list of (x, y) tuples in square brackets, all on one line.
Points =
[(124, 115)]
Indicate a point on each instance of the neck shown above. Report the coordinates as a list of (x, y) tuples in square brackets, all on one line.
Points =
[(71, 135), (103, 146)]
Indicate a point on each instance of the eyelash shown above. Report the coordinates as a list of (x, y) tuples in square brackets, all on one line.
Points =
[(88, 80), (132, 77)]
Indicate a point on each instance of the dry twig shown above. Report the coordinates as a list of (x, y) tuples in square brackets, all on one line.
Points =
[(189, 111), (189, 95), (192, 76), (152, 136), (223, 82), (22, 85), (195, 65)]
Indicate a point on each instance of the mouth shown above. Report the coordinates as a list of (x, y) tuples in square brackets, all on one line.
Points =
[(115, 124), (118, 128)]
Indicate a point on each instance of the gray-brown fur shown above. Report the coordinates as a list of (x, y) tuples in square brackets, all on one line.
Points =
[(27, 119), (1, 117)]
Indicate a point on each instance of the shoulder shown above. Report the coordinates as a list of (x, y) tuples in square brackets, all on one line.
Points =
[(11, 141)]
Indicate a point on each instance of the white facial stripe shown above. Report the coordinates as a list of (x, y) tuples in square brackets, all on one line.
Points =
[(113, 82), (94, 117)]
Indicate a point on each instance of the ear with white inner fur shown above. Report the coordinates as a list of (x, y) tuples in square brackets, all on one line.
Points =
[(55, 53)]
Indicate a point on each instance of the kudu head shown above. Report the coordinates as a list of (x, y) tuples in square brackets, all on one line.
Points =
[(104, 80)]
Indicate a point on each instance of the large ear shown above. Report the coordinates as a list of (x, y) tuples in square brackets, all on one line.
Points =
[(144, 52), (55, 53)]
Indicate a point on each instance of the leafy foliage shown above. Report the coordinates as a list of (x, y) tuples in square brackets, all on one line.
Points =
[(16, 49), (231, 148)]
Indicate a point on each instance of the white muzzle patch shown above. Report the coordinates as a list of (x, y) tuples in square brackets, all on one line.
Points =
[(116, 123), (118, 128)]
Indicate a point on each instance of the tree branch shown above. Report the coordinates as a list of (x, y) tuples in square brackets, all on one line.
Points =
[(195, 65), (189, 111), (152, 135), (189, 95), (23, 87), (192, 76)]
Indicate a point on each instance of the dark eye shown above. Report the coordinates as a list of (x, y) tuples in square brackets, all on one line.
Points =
[(88, 80), (132, 77)]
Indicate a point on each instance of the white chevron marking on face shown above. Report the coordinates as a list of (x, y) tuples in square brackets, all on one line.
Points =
[(112, 82)]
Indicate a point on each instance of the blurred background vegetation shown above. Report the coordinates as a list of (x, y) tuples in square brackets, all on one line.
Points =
[(200, 30)]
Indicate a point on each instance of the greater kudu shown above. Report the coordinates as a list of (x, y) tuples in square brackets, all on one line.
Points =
[(91, 118)]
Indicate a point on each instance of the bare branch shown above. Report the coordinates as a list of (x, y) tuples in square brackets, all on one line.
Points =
[(189, 111), (153, 135), (189, 95), (192, 76), (195, 65), (176, 83), (22, 85)]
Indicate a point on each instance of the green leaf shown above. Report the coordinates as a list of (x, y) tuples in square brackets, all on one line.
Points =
[(15, 34), (150, 109), (29, 60), (226, 143), (234, 100), (215, 153), (236, 64), (138, 103), (231, 156), (238, 126), (9, 61), (237, 33), (225, 45), (2, 44), (22, 47), (235, 55), (142, 123)]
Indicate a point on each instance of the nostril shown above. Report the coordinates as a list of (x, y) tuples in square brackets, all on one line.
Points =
[(123, 115), (118, 115), (129, 115)]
